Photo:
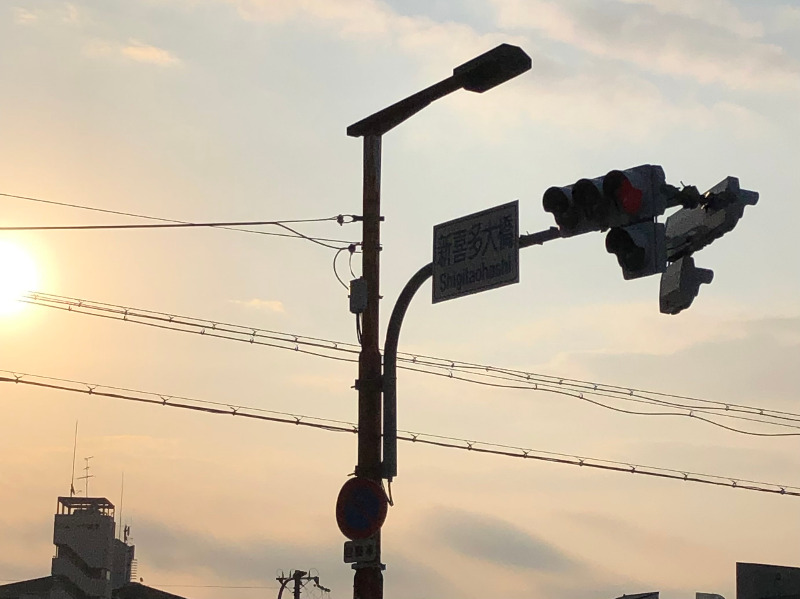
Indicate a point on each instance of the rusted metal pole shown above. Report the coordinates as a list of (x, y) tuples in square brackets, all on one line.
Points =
[(368, 579)]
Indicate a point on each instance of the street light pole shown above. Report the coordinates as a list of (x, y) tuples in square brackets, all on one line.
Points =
[(478, 75), (368, 581)]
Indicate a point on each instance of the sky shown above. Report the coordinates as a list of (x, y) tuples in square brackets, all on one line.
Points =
[(236, 110)]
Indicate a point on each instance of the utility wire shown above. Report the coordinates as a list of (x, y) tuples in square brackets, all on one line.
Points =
[(199, 326), (688, 413), (732, 411), (209, 586), (335, 271), (229, 226), (698, 409), (409, 436), (163, 225)]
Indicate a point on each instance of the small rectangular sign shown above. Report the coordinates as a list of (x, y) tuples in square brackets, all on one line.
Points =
[(476, 252)]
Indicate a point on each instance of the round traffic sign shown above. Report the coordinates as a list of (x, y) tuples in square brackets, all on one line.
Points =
[(361, 508)]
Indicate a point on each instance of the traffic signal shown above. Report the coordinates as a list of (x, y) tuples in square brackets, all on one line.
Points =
[(692, 228), (680, 284), (640, 248), (720, 208), (617, 199)]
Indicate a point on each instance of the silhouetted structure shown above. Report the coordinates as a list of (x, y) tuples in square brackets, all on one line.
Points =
[(90, 563), (763, 581)]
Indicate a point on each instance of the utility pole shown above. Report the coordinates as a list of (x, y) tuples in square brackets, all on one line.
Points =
[(368, 582), (479, 74), (300, 578)]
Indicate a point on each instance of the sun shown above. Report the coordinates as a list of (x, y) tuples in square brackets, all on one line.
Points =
[(18, 276)]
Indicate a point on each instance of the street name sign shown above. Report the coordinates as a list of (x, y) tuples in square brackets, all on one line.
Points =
[(476, 252)]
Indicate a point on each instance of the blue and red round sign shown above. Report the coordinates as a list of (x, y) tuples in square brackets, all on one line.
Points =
[(361, 508)]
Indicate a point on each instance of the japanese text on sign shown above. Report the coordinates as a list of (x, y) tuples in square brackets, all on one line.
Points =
[(476, 252)]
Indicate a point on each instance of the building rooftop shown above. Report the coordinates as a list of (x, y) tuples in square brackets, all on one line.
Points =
[(41, 587), (135, 590), (71, 505), (36, 587)]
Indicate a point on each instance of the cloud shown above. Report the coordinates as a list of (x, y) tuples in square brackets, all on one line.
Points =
[(715, 13), (196, 553), (68, 13), (178, 549), (72, 15), (758, 355), (442, 45), (141, 52), (674, 43), (632, 328), (134, 50), (24, 17), (498, 542), (621, 103), (97, 48), (259, 304), (786, 18)]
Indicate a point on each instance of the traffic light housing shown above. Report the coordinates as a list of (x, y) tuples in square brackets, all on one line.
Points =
[(718, 212), (680, 284), (640, 248), (629, 202), (617, 199), (692, 228)]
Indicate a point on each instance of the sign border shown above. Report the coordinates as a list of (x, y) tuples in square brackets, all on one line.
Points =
[(474, 216)]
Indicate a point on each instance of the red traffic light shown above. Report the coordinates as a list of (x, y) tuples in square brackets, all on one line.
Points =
[(627, 196), (618, 199)]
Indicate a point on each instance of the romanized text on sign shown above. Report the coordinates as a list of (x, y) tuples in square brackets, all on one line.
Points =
[(476, 252)]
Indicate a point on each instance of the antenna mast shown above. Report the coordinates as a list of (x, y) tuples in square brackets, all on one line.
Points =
[(86, 476), (121, 495), (74, 449)]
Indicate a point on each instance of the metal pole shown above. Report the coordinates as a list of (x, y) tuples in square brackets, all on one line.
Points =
[(368, 579), (297, 578), (390, 369), (393, 338)]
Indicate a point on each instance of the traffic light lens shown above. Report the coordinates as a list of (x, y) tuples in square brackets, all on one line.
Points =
[(629, 255), (558, 204), (630, 198), (616, 185), (555, 201), (590, 200)]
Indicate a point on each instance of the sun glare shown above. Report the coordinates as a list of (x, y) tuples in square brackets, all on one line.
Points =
[(18, 275)]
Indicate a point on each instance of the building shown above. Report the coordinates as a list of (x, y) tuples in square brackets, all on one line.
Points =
[(89, 562)]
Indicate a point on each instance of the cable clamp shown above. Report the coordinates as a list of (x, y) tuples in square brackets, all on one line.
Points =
[(359, 218)]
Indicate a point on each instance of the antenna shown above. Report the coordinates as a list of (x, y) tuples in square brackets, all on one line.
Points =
[(121, 495), (86, 476), (74, 448)]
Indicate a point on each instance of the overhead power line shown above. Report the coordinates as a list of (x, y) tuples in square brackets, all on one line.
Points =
[(166, 225), (659, 404), (477, 447), (231, 226)]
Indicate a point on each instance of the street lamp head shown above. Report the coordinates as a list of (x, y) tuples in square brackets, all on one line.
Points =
[(479, 74), (492, 68)]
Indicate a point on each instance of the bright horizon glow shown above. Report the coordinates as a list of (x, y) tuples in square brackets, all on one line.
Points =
[(18, 275)]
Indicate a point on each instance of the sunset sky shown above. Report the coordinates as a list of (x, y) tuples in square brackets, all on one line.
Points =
[(236, 110)]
